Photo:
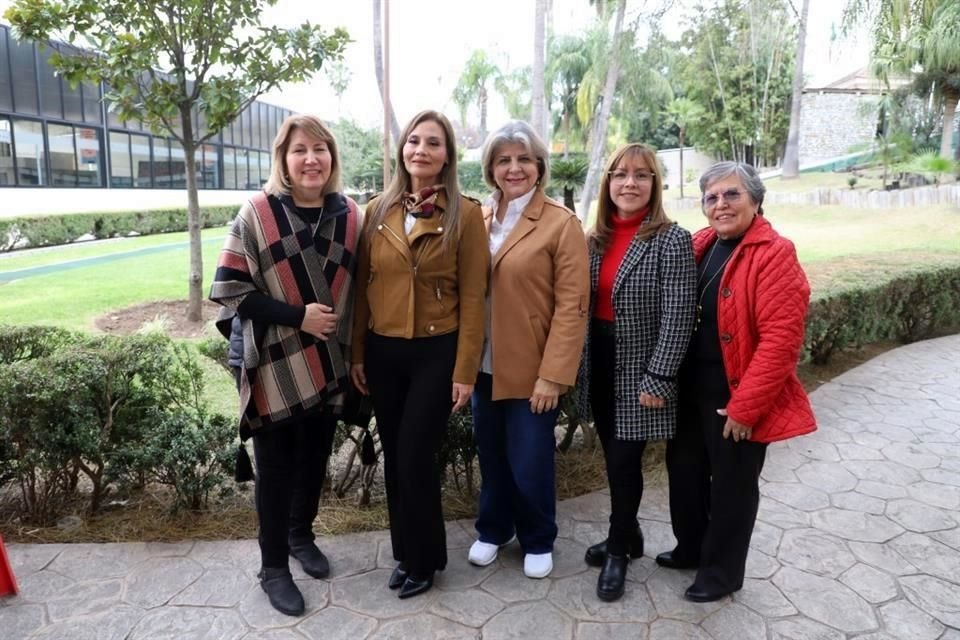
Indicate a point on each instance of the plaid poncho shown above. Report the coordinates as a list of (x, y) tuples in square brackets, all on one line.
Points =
[(272, 248)]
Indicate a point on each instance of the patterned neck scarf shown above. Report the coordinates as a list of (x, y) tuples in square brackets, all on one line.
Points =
[(423, 203)]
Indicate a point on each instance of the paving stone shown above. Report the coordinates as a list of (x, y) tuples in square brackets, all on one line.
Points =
[(424, 626), (779, 455), (735, 622), (335, 623), (912, 455), (30, 558), (764, 598), (611, 631), (350, 555), (658, 537), (275, 634), (904, 620), (567, 558), (577, 597), (881, 490), (891, 432), (470, 608), (868, 439), (760, 565), (798, 496), (872, 584), (666, 589), (510, 585), (942, 476), (236, 554), (828, 430), (929, 556), (587, 509), (773, 473), (939, 598), (815, 552), (814, 448), (676, 630), (368, 594), (217, 588), (168, 549), (856, 501), (21, 620), (883, 471), (85, 598), (42, 586), (156, 581), (460, 574), (460, 534), (260, 614), (781, 515), (918, 517), (114, 624), (111, 561), (529, 620), (826, 600), (655, 504), (802, 628), (950, 538), (588, 533), (827, 476), (853, 451), (178, 623), (853, 525), (766, 538), (882, 557)]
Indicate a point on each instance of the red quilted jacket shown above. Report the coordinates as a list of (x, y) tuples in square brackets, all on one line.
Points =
[(761, 309)]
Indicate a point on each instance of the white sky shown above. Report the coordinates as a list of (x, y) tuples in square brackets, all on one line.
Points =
[(430, 41)]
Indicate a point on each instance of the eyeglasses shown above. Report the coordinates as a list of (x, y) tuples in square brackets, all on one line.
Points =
[(621, 177), (730, 196)]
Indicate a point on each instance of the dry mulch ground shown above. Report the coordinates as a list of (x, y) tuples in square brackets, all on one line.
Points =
[(170, 314)]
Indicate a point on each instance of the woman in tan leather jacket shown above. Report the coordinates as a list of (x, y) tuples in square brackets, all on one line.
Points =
[(418, 333)]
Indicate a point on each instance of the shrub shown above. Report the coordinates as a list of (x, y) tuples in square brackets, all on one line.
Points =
[(48, 230), (28, 342), (458, 452)]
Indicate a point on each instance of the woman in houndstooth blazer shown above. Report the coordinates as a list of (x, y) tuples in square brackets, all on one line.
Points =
[(643, 285)]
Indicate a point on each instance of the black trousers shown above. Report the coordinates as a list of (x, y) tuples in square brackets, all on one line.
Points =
[(291, 465), (624, 458), (411, 384), (714, 482)]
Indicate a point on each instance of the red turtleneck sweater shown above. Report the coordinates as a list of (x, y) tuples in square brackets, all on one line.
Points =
[(622, 232)]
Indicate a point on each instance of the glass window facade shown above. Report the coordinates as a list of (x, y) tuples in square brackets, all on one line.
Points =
[(52, 134)]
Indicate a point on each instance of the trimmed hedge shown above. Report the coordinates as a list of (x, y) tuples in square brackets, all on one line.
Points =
[(49, 230)]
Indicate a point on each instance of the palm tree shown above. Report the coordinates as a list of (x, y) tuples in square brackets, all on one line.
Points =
[(378, 65), (682, 112), (791, 155), (568, 174), (537, 82), (477, 74)]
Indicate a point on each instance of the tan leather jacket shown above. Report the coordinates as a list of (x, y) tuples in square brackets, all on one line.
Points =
[(409, 287)]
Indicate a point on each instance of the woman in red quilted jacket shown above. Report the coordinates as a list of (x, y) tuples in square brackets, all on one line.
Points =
[(738, 386)]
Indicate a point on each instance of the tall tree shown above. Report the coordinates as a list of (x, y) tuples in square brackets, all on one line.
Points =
[(477, 75), (338, 77), (168, 62), (514, 88), (378, 65), (598, 134), (569, 62), (538, 81), (791, 155), (683, 112)]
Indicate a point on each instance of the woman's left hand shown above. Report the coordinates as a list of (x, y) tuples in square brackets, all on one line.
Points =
[(461, 395), (546, 396), (652, 402), (738, 430)]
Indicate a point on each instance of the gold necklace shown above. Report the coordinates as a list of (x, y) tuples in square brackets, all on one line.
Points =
[(706, 265)]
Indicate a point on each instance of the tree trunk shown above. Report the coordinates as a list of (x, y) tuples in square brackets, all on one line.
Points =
[(195, 279), (482, 95), (949, 114), (682, 178), (378, 66), (537, 84), (599, 134), (791, 156)]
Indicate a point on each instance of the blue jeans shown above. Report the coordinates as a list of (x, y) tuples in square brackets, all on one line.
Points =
[(516, 451)]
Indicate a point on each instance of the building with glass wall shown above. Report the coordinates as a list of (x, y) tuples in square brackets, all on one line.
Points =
[(52, 135)]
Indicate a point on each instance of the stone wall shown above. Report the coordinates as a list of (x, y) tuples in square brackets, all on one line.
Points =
[(856, 198), (832, 123)]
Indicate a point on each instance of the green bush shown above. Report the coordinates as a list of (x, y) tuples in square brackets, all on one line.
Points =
[(458, 451), (28, 342), (49, 230)]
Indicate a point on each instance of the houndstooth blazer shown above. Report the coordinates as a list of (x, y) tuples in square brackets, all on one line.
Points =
[(654, 301)]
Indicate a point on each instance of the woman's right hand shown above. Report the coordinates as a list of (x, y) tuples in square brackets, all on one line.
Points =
[(319, 321), (359, 378)]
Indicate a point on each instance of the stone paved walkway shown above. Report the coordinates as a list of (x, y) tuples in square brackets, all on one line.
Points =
[(857, 537)]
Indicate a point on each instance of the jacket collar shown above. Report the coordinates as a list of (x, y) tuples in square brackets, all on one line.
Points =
[(527, 223), (760, 231)]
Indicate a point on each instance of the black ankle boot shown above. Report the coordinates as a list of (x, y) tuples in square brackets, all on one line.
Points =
[(613, 576), (312, 560), (282, 591), (597, 553)]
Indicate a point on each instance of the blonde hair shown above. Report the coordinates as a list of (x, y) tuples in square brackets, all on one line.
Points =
[(401, 181), (599, 235), (516, 132), (278, 184)]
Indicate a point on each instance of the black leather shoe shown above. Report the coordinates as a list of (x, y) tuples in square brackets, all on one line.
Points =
[(415, 585), (312, 560), (671, 560), (613, 576), (282, 591), (696, 594), (597, 553), (398, 577)]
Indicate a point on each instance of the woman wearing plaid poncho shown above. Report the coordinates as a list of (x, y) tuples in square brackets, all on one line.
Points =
[(286, 271)]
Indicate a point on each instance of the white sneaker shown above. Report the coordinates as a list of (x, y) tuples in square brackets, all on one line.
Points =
[(483, 553), (537, 565)]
